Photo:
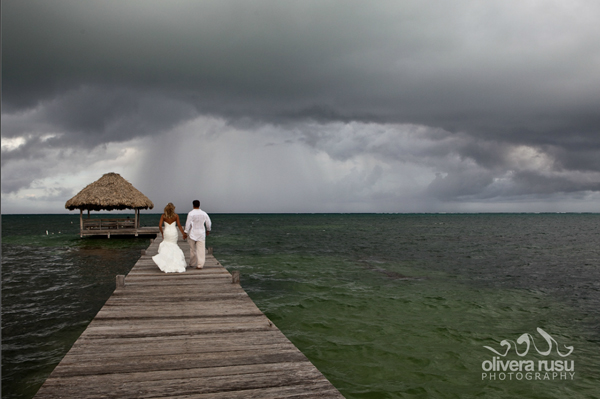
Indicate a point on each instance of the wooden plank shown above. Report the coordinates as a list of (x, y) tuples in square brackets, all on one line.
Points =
[(156, 385), (190, 372), (138, 329), (176, 361), (186, 335), (169, 344), (189, 296), (312, 389), (204, 280)]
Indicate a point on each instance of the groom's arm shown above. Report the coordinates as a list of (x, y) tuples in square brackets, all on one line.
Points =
[(188, 225), (207, 222)]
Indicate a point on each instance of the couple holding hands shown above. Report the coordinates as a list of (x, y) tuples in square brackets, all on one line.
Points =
[(170, 258)]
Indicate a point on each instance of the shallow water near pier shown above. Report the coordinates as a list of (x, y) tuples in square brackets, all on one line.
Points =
[(386, 306)]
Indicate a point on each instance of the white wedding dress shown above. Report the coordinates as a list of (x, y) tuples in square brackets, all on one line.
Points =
[(170, 258)]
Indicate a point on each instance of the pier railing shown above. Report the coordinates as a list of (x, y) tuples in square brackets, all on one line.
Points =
[(108, 224)]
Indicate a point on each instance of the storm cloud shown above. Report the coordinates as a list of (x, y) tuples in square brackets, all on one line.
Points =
[(305, 106)]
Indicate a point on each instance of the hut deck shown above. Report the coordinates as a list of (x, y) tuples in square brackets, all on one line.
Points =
[(140, 231), (192, 335)]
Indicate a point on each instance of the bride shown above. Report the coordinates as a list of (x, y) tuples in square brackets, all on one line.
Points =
[(170, 258)]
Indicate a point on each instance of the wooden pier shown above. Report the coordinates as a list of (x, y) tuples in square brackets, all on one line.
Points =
[(183, 335)]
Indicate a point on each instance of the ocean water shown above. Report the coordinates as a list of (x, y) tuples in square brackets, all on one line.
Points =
[(386, 306)]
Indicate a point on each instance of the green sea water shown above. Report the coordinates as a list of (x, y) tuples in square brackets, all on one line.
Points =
[(400, 306), (386, 306)]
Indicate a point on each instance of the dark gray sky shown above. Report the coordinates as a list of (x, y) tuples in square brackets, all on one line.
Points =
[(308, 106)]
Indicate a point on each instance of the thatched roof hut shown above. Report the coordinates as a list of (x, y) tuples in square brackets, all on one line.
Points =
[(109, 192)]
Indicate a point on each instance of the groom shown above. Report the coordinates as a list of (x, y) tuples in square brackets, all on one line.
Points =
[(195, 231)]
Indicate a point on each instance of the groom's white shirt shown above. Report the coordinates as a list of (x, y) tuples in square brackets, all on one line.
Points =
[(194, 225)]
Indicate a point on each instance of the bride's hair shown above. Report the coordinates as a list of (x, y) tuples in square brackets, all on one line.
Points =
[(170, 211)]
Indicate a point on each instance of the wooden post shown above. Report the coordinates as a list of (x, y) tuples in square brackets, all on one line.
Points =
[(137, 221), (80, 223), (120, 281), (235, 277), (209, 250)]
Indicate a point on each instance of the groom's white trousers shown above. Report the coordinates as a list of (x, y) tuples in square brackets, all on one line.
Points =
[(197, 253)]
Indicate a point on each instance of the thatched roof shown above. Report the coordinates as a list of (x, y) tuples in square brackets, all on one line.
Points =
[(109, 192)]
